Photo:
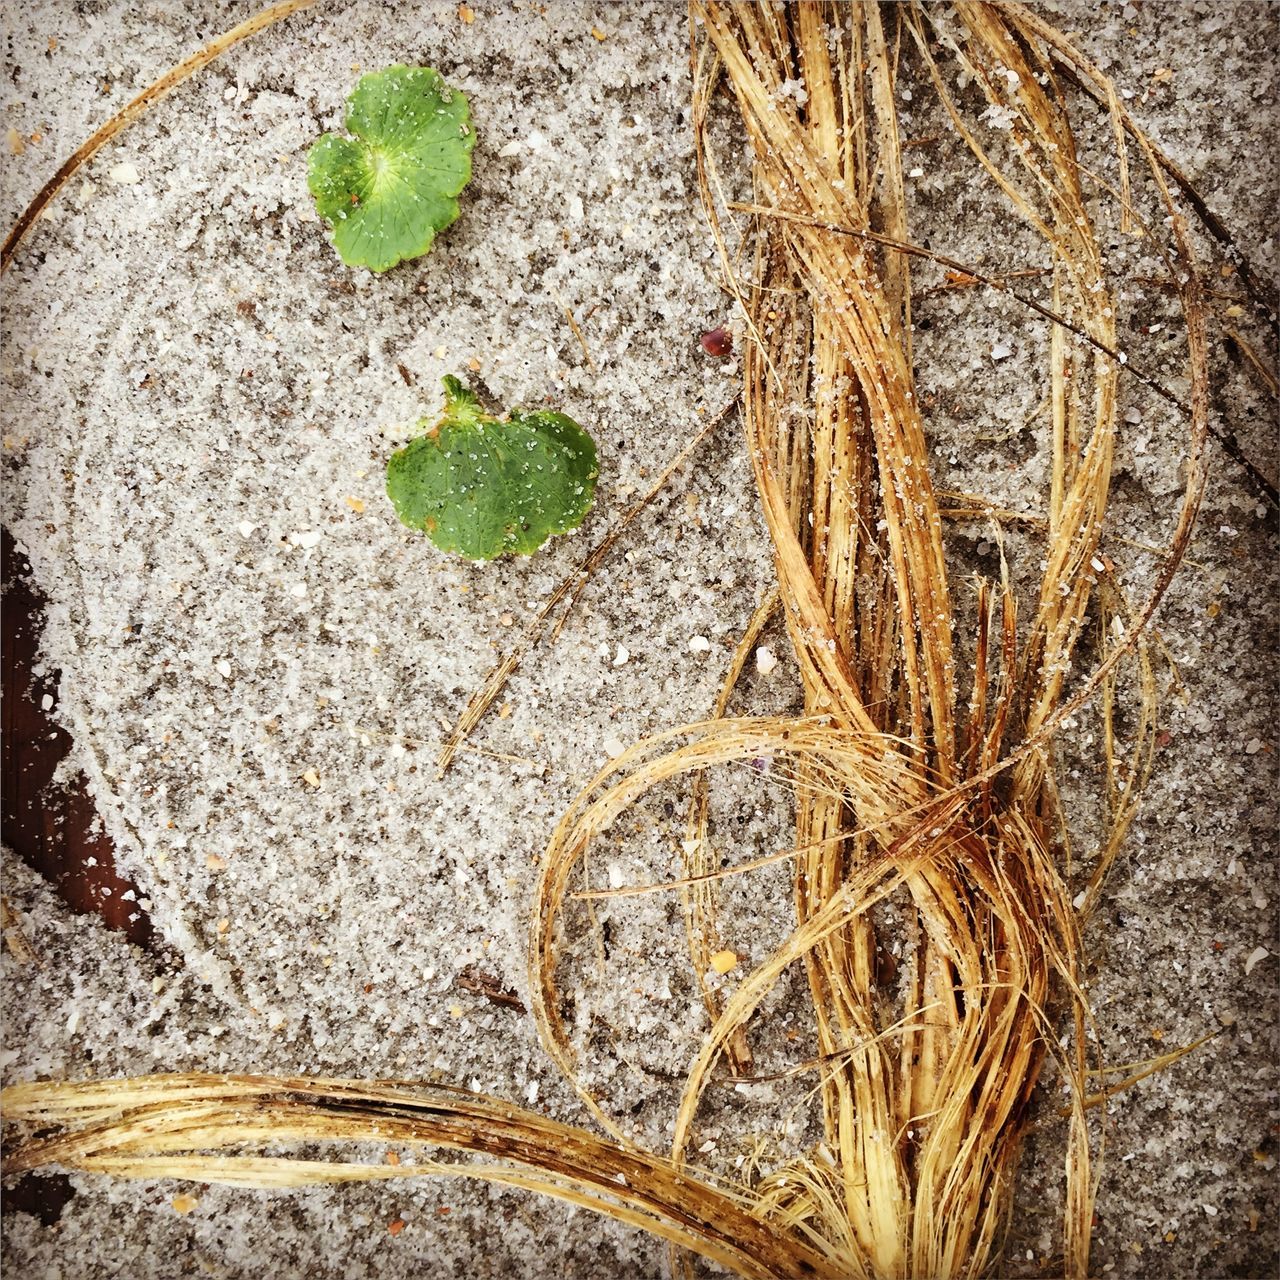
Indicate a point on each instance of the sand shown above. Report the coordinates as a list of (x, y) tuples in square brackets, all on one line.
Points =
[(258, 664)]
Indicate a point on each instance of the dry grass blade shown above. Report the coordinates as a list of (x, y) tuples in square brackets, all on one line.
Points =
[(897, 795), (167, 1126), (135, 109)]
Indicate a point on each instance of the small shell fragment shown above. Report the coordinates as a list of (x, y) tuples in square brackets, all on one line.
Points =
[(1255, 958)]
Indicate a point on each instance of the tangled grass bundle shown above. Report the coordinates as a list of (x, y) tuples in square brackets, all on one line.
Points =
[(923, 761)]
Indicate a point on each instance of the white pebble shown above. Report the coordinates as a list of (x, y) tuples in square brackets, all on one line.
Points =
[(613, 746), (124, 174), (699, 644), (622, 656), (1255, 958), (224, 667), (307, 539), (766, 659), (298, 589), (246, 528)]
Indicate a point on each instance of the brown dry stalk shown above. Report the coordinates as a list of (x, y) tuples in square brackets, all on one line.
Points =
[(134, 110), (896, 782), (152, 1128), (923, 763)]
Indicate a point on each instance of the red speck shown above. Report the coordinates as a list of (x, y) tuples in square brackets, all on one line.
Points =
[(444, 1210), (1163, 738), (395, 1226), (718, 342)]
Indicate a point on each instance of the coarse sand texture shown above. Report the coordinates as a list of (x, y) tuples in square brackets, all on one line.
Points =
[(260, 665)]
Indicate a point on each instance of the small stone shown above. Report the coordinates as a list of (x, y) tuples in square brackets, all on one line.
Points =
[(311, 777), (224, 667), (766, 660), (613, 746), (246, 528), (124, 174), (622, 656), (1255, 958), (184, 1203), (723, 961), (699, 644)]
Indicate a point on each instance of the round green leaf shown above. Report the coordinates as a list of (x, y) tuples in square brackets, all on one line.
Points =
[(481, 486), (387, 191)]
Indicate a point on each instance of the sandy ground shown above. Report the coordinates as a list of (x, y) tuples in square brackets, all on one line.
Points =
[(259, 665)]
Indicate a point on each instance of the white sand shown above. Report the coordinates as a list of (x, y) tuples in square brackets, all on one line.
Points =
[(197, 389)]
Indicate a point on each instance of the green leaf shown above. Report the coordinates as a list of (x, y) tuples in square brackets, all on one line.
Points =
[(387, 192), (482, 486)]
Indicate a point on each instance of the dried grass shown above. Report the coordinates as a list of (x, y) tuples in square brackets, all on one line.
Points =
[(923, 763)]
